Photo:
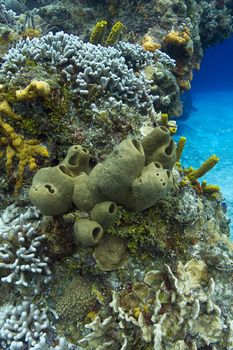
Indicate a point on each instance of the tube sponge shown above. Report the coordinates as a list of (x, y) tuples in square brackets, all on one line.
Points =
[(104, 213), (159, 147), (86, 192), (87, 232), (51, 191), (117, 173), (180, 147), (149, 188), (76, 161)]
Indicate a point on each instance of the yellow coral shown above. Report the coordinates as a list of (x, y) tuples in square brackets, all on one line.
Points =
[(149, 44), (98, 32), (164, 119), (6, 110), (31, 33), (91, 315), (115, 33), (180, 147), (211, 191), (204, 168), (17, 147), (35, 89), (177, 38)]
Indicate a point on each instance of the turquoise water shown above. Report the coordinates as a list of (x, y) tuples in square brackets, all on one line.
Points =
[(209, 130)]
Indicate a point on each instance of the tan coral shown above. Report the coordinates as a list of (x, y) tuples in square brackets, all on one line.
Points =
[(111, 254), (188, 312)]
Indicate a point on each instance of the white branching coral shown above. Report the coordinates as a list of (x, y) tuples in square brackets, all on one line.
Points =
[(26, 326), (20, 244), (23, 324)]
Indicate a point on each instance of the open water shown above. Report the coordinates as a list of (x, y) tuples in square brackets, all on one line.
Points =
[(209, 128)]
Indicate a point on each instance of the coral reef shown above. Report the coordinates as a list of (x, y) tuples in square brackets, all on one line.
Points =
[(32, 326), (26, 324), (129, 251)]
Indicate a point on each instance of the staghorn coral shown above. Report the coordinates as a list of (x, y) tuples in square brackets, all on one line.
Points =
[(26, 325), (7, 16), (26, 151), (165, 87)]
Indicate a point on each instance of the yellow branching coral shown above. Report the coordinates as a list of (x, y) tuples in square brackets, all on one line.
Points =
[(7, 111), (98, 32), (211, 191), (35, 89), (149, 44), (204, 168), (15, 146), (180, 147), (115, 33)]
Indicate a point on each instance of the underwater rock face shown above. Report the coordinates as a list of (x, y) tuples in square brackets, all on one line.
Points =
[(134, 252)]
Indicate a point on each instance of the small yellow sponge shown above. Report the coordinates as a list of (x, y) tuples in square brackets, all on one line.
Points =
[(35, 89)]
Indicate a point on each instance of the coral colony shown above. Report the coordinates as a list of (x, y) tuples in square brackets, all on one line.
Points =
[(106, 240)]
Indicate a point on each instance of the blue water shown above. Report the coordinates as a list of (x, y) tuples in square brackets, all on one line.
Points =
[(209, 129)]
